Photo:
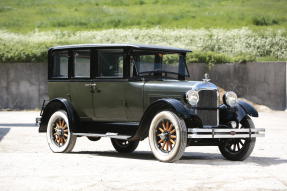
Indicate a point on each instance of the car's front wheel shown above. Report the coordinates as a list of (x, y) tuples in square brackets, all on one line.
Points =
[(167, 136), (238, 149), (60, 138), (124, 146)]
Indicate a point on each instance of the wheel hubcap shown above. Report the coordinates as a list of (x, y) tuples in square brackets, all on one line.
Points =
[(60, 132), (166, 136)]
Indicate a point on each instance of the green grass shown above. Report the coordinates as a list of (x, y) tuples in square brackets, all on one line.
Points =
[(217, 30), (27, 15)]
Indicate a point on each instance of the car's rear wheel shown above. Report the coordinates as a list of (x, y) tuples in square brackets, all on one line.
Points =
[(167, 136), (94, 138), (241, 148), (59, 136), (124, 146)]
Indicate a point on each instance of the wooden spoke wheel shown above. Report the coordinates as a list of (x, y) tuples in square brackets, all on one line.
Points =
[(238, 149), (59, 136), (167, 136), (60, 132)]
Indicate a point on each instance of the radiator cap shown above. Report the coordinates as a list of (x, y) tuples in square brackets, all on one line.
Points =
[(206, 78)]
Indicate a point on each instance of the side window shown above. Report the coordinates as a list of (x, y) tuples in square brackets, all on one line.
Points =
[(82, 64), (60, 64), (110, 63)]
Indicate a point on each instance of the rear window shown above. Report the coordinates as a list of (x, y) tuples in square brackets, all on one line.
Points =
[(60, 64)]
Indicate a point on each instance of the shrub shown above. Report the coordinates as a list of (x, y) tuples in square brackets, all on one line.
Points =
[(210, 46), (264, 21)]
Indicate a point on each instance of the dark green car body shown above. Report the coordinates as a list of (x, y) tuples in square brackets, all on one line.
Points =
[(112, 90)]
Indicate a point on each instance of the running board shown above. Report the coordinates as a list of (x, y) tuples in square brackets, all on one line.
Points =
[(202, 133), (110, 135)]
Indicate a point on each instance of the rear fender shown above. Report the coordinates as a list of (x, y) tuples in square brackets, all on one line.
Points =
[(55, 105)]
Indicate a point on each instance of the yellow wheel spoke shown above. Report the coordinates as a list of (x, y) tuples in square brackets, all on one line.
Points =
[(161, 130), (167, 145), (163, 126), (170, 146), (160, 141), (166, 125), (173, 136), (172, 131), (162, 147), (170, 127), (172, 141)]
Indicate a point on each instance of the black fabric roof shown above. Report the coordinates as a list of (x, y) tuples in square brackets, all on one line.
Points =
[(136, 46)]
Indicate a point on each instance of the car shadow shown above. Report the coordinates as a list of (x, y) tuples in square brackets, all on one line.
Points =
[(190, 158), (141, 155), (3, 132), (18, 125)]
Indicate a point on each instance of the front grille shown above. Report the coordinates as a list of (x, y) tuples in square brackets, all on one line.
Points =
[(207, 101)]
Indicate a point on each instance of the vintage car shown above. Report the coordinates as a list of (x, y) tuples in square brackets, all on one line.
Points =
[(129, 92)]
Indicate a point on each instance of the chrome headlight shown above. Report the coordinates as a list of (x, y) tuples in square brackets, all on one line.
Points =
[(192, 97), (230, 98)]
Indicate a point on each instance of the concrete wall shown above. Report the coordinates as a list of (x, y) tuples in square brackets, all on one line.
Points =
[(24, 85), (262, 83)]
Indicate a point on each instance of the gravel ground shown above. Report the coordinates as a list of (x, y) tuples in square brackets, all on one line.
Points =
[(26, 163)]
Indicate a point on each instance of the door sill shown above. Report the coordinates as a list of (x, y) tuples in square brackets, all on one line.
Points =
[(108, 134)]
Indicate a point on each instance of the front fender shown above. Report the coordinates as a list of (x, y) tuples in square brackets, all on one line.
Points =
[(179, 107), (162, 104), (241, 110), (248, 108)]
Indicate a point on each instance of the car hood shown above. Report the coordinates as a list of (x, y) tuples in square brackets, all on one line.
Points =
[(173, 86)]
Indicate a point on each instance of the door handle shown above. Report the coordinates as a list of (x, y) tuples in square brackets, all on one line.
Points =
[(91, 85)]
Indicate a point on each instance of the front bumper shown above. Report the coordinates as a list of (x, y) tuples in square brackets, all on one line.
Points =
[(211, 133)]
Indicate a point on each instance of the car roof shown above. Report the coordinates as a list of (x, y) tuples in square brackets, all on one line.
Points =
[(135, 46)]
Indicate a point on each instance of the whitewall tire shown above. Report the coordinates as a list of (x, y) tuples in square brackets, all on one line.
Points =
[(60, 138), (167, 136)]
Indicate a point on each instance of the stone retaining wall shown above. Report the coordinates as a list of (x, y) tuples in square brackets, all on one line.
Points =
[(24, 85), (263, 83)]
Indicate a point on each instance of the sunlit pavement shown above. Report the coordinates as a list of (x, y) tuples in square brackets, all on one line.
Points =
[(26, 162)]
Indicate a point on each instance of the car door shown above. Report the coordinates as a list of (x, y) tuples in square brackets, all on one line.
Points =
[(109, 102), (81, 85)]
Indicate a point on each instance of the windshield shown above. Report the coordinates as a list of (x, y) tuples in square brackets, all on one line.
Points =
[(160, 65)]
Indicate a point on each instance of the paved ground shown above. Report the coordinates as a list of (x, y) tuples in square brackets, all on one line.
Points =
[(26, 163)]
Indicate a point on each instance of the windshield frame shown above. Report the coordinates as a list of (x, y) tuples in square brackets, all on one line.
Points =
[(158, 72)]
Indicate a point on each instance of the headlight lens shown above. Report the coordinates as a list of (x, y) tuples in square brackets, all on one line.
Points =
[(192, 97), (230, 98)]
